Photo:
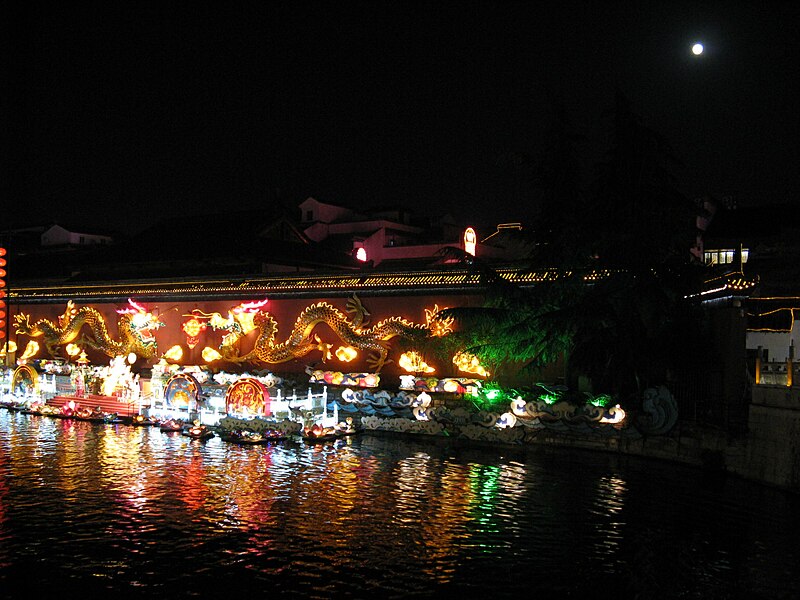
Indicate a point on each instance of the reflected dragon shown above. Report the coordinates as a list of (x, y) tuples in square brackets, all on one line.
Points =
[(352, 332), (135, 324)]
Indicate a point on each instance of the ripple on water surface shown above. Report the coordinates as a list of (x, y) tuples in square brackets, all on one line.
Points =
[(88, 508)]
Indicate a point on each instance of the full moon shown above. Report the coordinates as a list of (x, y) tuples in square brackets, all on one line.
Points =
[(697, 49)]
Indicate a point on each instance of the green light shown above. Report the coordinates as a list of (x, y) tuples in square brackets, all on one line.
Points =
[(549, 398), (601, 400), (492, 394)]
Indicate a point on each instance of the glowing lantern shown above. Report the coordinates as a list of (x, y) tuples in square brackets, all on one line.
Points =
[(518, 406), (361, 254), (506, 421), (470, 240), (73, 349), (412, 362), (210, 355), (182, 390), (132, 358), (346, 353), (420, 413), (614, 415), (3, 321), (174, 353), (247, 396), (193, 327), (469, 364), (423, 400), (31, 350)]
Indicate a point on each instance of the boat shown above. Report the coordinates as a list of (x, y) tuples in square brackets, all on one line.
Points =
[(244, 437), (198, 432), (14, 403), (82, 414), (143, 421), (319, 433), (346, 427), (95, 415), (65, 412), (35, 408), (171, 425)]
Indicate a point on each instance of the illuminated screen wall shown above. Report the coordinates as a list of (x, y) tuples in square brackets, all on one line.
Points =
[(188, 326)]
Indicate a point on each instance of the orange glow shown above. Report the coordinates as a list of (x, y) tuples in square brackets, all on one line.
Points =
[(469, 364), (412, 362)]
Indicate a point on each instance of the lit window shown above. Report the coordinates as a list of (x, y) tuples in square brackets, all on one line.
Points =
[(361, 255)]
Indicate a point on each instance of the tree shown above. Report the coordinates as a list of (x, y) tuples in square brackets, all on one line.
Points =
[(616, 305)]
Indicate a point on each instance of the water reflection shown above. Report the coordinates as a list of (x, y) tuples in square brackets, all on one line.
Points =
[(110, 508)]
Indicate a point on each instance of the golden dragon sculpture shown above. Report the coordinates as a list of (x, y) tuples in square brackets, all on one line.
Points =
[(136, 328), (245, 318)]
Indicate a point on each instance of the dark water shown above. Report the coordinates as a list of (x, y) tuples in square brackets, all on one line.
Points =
[(115, 511)]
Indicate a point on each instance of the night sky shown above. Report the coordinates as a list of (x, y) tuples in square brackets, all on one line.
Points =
[(124, 112)]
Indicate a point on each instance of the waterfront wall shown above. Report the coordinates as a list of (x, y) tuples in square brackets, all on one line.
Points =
[(771, 452), (768, 452)]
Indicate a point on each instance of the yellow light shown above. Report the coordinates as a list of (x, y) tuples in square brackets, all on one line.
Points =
[(193, 327), (469, 364), (174, 353), (10, 346), (210, 355), (73, 349), (30, 351), (245, 319), (346, 353), (412, 362), (132, 358)]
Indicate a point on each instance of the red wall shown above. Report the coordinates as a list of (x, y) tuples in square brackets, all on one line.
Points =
[(285, 312)]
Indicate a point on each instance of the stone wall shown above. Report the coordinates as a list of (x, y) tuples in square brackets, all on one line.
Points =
[(772, 450)]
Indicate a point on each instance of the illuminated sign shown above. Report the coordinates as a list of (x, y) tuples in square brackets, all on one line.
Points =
[(470, 240)]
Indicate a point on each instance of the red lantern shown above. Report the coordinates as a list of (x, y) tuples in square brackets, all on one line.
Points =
[(2, 294)]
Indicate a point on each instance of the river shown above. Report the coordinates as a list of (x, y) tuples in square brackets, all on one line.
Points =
[(90, 510)]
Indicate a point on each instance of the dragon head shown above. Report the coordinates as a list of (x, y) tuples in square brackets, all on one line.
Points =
[(140, 323), (245, 313), (68, 315)]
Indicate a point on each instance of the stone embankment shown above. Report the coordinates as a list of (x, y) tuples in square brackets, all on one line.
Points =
[(768, 453)]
